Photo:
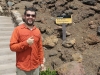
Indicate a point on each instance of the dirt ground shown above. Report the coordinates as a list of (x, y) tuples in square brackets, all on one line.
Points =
[(78, 30)]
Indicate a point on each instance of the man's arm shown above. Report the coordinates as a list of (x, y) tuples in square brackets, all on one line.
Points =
[(41, 52), (15, 45)]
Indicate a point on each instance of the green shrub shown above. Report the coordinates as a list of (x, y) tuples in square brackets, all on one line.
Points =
[(48, 72)]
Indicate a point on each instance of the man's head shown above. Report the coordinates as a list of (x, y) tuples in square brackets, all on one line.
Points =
[(30, 16)]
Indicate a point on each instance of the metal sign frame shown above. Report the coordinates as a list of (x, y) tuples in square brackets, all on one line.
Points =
[(64, 19)]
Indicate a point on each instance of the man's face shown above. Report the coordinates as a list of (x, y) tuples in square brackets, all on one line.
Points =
[(30, 18)]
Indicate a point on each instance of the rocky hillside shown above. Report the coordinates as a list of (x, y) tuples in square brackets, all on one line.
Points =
[(82, 41)]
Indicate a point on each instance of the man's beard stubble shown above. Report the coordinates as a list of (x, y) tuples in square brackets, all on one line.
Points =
[(29, 24)]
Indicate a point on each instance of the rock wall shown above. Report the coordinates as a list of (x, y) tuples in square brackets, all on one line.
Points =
[(82, 41)]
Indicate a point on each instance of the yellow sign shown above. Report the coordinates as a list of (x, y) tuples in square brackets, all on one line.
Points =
[(61, 20)]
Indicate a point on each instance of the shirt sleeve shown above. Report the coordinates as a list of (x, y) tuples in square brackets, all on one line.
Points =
[(41, 51), (15, 45)]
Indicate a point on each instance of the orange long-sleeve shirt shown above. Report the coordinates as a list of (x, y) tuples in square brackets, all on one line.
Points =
[(27, 57)]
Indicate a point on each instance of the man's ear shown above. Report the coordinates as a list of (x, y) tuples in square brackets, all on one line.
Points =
[(23, 18)]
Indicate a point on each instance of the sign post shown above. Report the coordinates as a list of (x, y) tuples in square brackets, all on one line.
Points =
[(64, 19), (64, 31)]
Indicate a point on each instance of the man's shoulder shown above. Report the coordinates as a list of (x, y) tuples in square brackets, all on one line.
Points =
[(20, 26), (37, 29)]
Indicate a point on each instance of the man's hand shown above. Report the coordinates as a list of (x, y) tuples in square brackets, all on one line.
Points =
[(30, 40), (42, 67)]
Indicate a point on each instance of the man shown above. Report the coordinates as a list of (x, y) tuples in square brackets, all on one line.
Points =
[(26, 41)]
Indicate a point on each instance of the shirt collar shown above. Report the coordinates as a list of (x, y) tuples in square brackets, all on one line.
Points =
[(24, 26)]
